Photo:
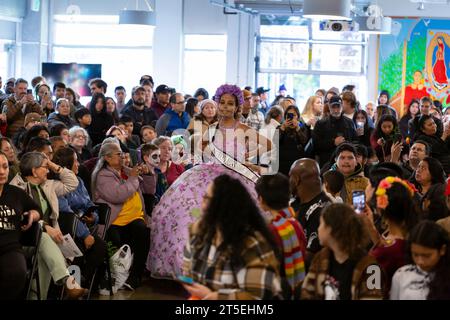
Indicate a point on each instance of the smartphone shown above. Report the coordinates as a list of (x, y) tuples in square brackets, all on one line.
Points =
[(185, 279), (290, 116), (359, 200), (29, 91)]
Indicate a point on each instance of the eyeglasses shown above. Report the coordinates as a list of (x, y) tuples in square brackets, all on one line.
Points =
[(80, 137), (46, 167), (120, 154)]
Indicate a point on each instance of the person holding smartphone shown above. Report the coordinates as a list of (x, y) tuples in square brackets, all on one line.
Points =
[(18, 105), (294, 136)]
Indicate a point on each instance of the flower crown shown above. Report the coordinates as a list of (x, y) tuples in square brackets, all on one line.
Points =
[(385, 184), (230, 89)]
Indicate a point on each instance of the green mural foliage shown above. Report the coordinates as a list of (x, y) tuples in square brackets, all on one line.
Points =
[(416, 57), (391, 72)]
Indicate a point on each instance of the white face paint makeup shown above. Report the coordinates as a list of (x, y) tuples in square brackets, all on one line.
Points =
[(178, 154), (154, 158)]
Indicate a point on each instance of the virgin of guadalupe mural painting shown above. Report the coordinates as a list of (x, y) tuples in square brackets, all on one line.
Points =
[(437, 61)]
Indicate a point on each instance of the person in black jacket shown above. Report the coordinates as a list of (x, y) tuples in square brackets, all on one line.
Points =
[(61, 114), (425, 109), (101, 120), (141, 114), (332, 131), (294, 135)]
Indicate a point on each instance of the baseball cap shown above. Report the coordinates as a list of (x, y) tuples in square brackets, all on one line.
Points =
[(261, 90), (162, 88), (11, 80), (32, 117), (282, 88), (334, 100), (146, 77)]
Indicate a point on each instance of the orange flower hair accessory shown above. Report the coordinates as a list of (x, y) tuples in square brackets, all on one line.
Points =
[(385, 184)]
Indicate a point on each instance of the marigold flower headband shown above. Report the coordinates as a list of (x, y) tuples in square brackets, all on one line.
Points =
[(385, 184)]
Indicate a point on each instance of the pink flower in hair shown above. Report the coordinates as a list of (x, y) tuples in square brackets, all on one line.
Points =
[(230, 89)]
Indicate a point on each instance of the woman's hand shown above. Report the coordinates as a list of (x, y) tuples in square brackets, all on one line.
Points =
[(360, 132), (32, 215), (89, 219), (201, 291), (311, 122), (55, 234), (396, 151), (287, 123)]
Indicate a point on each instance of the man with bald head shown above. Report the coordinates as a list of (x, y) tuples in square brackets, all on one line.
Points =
[(306, 187)]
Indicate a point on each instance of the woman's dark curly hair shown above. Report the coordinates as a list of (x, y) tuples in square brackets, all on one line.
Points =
[(233, 212), (31, 133), (387, 118), (347, 228), (431, 235), (402, 208)]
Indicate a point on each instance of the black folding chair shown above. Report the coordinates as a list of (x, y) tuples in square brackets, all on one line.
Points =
[(31, 239), (104, 215)]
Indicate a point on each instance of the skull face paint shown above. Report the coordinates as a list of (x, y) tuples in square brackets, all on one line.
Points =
[(154, 158)]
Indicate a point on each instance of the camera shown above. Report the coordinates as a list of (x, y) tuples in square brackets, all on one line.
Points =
[(337, 26)]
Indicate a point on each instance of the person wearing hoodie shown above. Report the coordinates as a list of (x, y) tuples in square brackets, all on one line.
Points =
[(173, 118), (347, 164), (101, 120)]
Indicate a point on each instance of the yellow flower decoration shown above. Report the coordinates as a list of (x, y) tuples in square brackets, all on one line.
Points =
[(382, 199)]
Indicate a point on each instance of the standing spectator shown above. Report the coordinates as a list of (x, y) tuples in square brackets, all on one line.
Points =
[(18, 105), (74, 99), (101, 120), (262, 93), (138, 112), (411, 112), (349, 104), (250, 114), (111, 109), (312, 112), (363, 129), (333, 182), (83, 117), (385, 136), (341, 270), (428, 276), (273, 196), (161, 103), (59, 90), (294, 136), (44, 98), (201, 94), (192, 107), (332, 131), (425, 110), (121, 94), (206, 117), (370, 110), (250, 262), (383, 105)]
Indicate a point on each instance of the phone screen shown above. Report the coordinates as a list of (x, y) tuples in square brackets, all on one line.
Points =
[(290, 116), (185, 279), (359, 201), (29, 91)]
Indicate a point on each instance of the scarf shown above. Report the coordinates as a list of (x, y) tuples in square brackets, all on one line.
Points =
[(294, 264)]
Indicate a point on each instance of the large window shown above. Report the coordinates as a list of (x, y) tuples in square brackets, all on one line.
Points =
[(296, 53), (125, 51), (5, 71), (204, 62)]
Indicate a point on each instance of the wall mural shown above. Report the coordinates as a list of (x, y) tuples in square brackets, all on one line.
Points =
[(415, 62)]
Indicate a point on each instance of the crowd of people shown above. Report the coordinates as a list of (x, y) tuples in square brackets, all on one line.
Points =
[(246, 198)]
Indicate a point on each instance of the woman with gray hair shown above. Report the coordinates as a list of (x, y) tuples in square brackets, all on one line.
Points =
[(34, 167), (79, 139), (118, 186), (61, 114)]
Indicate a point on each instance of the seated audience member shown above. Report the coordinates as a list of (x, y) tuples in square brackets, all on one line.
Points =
[(445, 222), (138, 107), (400, 214), (132, 140), (273, 197), (83, 118), (40, 131), (306, 187), (167, 167), (151, 157), (427, 277), (57, 143), (418, 151), (294, 136), (9, 151), (18, 105), (249, 268), (347, 165), (44, 98), (121, 134), (31, 119), (180, 153), (118, 186), (174, 117), (42, 145), (440, 145), (79, 141), (430, 180), (18, 212), (148, 134), (424, 110), (341, 270), (61, 114), (385, 136), (60, 130), (74, 100), (363, 157), (34, 167), (78, 202), (333, 182)]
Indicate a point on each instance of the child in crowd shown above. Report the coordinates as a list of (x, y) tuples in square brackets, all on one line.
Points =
[(333, 184), (148, 133), (428, 276), (126, 124), (83, 117), (150, 155), (341, 270)]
